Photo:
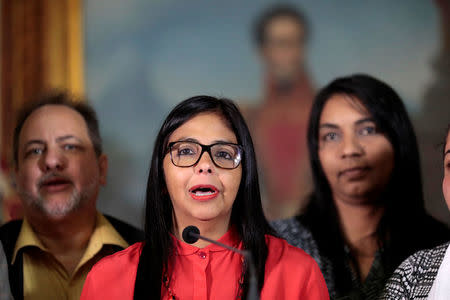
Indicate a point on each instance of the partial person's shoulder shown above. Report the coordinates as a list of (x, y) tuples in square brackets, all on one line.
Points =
[(416, 274), (299, 273), (129, 233), (422, 261), (9, 233), (281, 252), (114, 276), (294, 232), (11, 226), (291, 225), (126, 258), (426, 258)]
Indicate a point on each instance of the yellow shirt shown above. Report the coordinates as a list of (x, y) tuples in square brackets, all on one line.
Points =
[(46, 278)]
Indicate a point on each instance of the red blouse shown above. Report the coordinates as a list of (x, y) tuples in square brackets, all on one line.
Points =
[(211, 273)]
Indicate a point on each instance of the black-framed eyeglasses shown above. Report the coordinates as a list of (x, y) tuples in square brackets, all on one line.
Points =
[(188, 153)]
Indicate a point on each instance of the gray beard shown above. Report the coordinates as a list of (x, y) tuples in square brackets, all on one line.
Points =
[(58, 210)]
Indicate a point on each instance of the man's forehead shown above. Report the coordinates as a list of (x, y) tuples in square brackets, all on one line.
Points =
[(56, 120)]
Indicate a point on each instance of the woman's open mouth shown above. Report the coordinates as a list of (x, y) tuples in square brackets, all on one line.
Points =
[(203, 192)]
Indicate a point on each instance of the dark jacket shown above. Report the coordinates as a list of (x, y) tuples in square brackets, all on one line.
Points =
[(9, 233)]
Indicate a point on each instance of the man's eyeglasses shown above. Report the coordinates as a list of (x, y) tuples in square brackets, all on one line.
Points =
[(224, 155)]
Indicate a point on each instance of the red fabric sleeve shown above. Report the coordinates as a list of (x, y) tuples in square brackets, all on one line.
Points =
[(316, 287), (89, 291), (291, 274), (114, 276)]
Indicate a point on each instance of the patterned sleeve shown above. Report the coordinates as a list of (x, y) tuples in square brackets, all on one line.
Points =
[(414, 278), (297, 235), (399, 285)]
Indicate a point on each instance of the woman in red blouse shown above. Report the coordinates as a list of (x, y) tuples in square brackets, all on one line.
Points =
[(203, 173)]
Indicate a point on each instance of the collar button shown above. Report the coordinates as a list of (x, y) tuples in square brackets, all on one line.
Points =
[(202, 254)]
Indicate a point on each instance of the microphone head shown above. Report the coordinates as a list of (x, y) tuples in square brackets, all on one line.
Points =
[(187, 235)]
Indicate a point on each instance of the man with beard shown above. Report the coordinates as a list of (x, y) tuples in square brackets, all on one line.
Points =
[(59, 168)]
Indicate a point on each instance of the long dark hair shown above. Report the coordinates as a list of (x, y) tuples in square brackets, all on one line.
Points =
[(247, 214), (402, 198)]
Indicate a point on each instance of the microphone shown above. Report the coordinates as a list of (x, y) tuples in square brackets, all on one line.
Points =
[(191, 234)]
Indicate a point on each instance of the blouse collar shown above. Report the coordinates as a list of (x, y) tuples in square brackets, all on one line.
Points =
[(230, 238)]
